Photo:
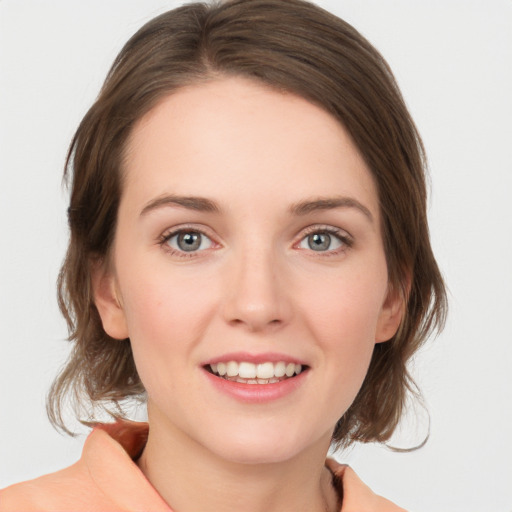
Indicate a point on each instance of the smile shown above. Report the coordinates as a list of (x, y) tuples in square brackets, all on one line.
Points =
[(250, 373)]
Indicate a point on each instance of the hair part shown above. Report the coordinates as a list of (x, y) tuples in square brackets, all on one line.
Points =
[(295, 47)]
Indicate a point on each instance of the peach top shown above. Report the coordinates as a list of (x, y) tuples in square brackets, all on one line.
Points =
[(107, 479)]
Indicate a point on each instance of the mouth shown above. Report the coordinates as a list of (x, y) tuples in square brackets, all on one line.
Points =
[(245, 372)]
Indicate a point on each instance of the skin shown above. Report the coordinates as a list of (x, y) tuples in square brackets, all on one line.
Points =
[(254, 286)]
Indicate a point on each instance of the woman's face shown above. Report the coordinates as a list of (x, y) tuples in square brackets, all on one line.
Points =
[(247, 244)]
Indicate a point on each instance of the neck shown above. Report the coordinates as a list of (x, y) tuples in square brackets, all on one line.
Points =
[(189, 478)]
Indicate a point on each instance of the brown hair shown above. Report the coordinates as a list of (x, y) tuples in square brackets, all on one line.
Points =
[(293, 46)]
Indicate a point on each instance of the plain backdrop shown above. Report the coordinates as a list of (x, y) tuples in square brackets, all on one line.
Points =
[(453, 61)]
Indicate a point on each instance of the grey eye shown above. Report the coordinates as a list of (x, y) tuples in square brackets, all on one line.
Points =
[(189, 241), (319, 241), (322, 241)]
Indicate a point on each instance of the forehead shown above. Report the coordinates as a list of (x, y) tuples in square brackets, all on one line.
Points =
[(235, 139)]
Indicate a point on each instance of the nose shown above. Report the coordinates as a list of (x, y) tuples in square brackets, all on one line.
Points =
[(256, 296)]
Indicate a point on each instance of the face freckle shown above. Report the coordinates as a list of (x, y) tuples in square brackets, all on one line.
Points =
[(248, 232)]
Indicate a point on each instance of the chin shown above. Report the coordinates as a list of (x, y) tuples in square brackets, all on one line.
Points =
[(263, 446), (256, 454)]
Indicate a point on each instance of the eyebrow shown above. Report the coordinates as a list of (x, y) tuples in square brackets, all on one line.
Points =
[(329, 203), (200, 204)]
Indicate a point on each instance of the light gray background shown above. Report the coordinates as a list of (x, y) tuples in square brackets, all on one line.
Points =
[(453, 60)]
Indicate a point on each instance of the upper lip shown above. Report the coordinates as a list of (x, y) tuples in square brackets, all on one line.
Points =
[(272, 357)]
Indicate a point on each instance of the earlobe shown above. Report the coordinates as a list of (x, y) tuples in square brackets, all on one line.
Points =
[(106, 300), (391, 314)]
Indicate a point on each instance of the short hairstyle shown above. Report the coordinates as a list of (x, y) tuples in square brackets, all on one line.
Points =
[(291, 46)]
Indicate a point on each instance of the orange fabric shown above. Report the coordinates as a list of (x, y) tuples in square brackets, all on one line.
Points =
[(106, 479)]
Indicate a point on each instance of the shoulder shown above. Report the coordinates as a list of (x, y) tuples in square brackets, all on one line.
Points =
[(68, 489), (357, 496), (104, 479)]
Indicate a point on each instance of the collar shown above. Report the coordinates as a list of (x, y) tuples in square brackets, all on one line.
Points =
[(122, 442)]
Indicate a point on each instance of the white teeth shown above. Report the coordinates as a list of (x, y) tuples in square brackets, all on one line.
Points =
[(263, 373), (290, 369), (231, 368), (280, 369), (247, 370)]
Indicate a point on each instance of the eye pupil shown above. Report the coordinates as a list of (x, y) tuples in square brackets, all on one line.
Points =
[(319, 241), (190, 241)]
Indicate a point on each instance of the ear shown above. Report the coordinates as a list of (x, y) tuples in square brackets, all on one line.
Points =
[(392, 312), (107, 302)]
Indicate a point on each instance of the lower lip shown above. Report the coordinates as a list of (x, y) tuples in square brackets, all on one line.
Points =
[(256, 393)]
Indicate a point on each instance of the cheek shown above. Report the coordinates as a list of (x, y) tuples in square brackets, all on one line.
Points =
[(163, 306), (343, 320), (345, 309), (165, 316)]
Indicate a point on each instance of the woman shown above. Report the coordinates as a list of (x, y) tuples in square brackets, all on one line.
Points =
[(249, 253)]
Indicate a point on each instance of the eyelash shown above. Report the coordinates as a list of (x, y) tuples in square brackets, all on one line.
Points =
[(345, 239), (166, 236)]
